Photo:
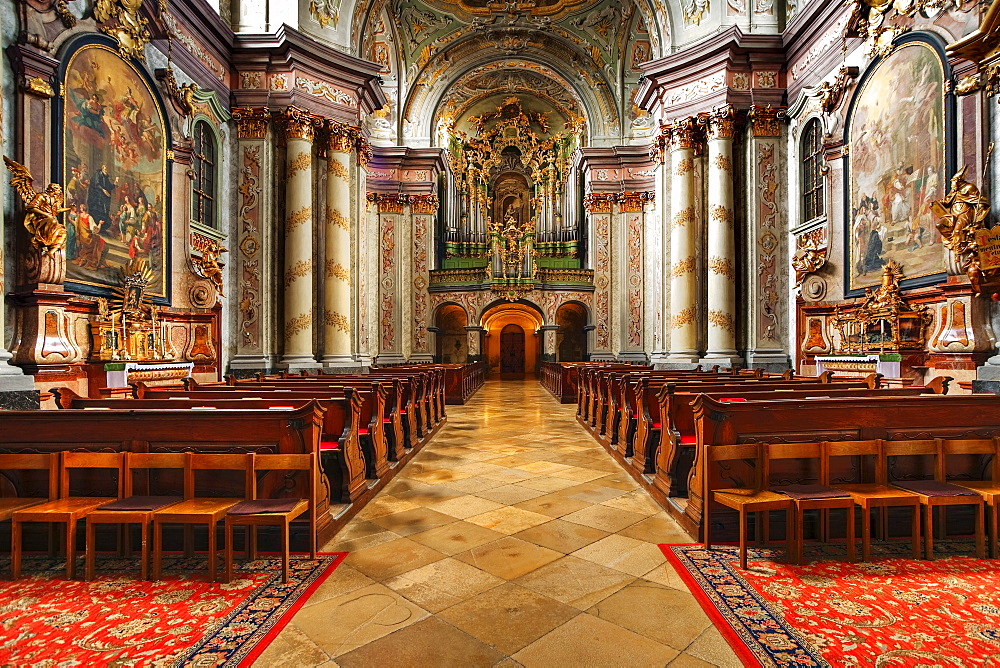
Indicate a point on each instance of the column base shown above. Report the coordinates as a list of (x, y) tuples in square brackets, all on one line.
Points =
[(658, 357), (251, 363), (421, 358), (632, 356), (774, 361), (390, 358), (341, 364), (675, 366), (602, 357), (295, 362), (683, 357), (724, 358)]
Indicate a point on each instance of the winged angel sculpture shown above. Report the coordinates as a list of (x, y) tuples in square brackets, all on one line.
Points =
[(42, 209)]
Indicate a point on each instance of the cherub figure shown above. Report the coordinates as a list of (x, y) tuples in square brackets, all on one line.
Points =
[(209, 264), (42, 209)]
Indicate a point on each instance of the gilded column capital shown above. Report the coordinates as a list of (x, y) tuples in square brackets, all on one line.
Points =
[(251, 122), (686, 133), (720, 123), (599, 202), (389, 202), (766, 121), (300, 124), (633, 202), (341, 137), (424, 203)]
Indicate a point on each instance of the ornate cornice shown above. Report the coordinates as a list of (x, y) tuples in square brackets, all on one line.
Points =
[(251, 123)]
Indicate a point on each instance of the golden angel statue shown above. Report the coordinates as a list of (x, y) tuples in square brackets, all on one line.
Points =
[(208, 265), (42, 210), (961, 212)]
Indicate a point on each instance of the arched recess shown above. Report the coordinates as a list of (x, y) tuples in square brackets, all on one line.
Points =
[(525, 315), (452, 337), (572, 319)]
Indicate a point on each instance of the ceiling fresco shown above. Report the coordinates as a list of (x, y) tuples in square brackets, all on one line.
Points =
[(580, 56)]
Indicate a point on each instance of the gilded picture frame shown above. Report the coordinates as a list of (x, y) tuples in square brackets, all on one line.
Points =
[(114, 142), (899, 131)]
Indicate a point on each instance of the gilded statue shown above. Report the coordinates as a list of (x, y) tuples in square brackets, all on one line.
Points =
[(886, 296), (42, 209), (961, 213), (808, 258), (208, 265)]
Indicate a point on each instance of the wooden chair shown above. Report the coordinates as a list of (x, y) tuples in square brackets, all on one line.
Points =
[(752, 499), (936, 493), (257, 512), (812, 496), (67, 509), (28, 462), (133, 509), (988, 489), (200, 510), (877, 495)]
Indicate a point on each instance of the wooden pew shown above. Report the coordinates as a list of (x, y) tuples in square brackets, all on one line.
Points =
[(670, 457), (341, 449), (267, 431), (834, 419)]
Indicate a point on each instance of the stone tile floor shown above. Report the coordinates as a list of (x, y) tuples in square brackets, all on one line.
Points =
[(511, 539)]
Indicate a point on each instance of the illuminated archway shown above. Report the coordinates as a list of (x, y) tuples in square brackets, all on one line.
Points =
[(524, 315)]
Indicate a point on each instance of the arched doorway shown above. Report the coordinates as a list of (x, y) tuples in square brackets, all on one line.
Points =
[(512, 351), (452, 337), (504, 345), (571, 337)]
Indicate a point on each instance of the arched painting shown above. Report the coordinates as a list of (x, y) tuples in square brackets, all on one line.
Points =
[(897, 167), (114, 166)]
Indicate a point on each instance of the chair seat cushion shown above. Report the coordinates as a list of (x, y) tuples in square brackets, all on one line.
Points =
[(729, 400), (804, 492), (133, 503), (329, 445), (264, 506), (935, 488)]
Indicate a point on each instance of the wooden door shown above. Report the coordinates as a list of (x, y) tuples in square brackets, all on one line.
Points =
[(512, 350)]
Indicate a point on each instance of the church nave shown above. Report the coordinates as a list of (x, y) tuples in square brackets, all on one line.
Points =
[(511, 539)]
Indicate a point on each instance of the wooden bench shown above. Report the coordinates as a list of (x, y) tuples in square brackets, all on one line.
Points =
[(265, 431), (341, 448), (893, 418)]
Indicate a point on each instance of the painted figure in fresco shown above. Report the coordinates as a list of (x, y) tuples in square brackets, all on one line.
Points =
[(72, 220), (91, 248), (102, 188)]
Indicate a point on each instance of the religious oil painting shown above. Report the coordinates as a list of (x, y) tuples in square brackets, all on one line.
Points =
[(897, 167), (114, 164)]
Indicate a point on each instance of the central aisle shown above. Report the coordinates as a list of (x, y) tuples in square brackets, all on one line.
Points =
[(512, 534)]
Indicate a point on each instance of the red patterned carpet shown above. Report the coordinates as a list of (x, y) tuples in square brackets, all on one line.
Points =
[(891, 612), (180, 620)]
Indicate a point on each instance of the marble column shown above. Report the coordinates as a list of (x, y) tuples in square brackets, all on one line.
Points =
[(300, 129), (683, 321), (337, 272), (721, 241)]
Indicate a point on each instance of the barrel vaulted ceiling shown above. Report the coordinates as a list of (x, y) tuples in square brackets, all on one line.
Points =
[(441, 57)]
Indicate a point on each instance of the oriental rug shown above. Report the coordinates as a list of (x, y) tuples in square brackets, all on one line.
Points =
[(894, 611), (181, 619)]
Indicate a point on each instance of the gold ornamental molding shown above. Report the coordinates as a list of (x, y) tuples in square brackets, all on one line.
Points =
[(722, 214), (766, 121), (300, 217), (297, 324), (720, 123), (724, 163), (685, 166), (300, 124), (39, 87), (722, 266), (394, 203), (686, 133), (122, 20), (684, 217), (341, 137), (599, 202), (683, 267), (336, 168), (635, 201), (424, 204), (251, 123), (337, 218), (300, 269), (336, 270), (300, 163), (338, 320), (722, 320), (682, 319)]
